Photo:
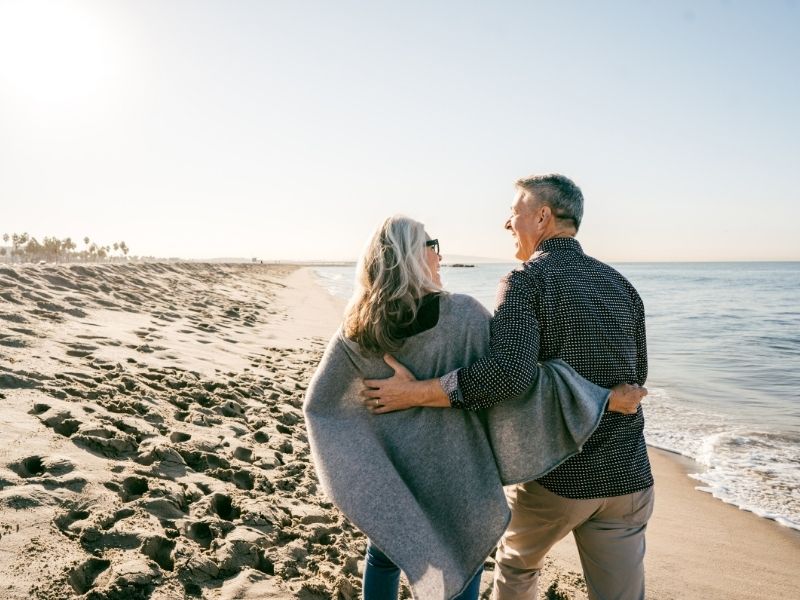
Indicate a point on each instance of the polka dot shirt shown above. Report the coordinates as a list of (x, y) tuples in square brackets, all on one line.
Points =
[(565, 304)]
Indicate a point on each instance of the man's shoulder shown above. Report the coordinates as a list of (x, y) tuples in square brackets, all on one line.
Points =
[(527, 274), (542, 264), (575, 266), (613, 273)]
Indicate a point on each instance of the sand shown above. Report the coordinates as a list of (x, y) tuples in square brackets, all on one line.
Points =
[(700, 547), (152, 443), (152, 446)]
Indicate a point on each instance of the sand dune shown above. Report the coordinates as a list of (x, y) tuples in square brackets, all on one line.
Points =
[(152, 439)]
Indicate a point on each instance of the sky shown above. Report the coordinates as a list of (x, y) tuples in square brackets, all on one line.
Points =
[(290, 130)]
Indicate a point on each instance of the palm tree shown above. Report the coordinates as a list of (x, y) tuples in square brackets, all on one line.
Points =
[(124, 247), (68, 246), (17, 241), (51, 248), (33, 249)]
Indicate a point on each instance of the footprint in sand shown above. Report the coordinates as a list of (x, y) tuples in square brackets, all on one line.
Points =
[(130, 488), (108, 521), (159, 549), (28, 467), (80, 350), (201, 533), (243, 453), (222, 505), (12, 317), (72, 521), (82, 577), (104, 441), (260, 436), (26, 331), (11, 341), (17, 380)]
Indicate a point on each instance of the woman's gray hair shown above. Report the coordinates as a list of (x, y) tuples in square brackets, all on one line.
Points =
[(391, 279), (559, 193)]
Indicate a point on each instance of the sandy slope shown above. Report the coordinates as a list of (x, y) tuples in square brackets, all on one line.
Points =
[(151, 442)]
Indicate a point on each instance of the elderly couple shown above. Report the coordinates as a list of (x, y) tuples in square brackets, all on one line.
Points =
[(443, 432)]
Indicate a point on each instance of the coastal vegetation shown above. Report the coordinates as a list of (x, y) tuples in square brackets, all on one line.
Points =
[(21, 247)]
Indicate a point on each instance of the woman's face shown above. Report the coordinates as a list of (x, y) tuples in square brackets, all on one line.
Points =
[(432, 261)]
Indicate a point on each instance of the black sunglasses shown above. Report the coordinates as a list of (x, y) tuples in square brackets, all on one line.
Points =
[(433, 244)]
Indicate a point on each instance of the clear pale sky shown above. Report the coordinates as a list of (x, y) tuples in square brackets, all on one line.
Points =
[(288, 130)]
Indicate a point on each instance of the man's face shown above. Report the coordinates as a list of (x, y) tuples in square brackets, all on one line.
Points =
[(525, 224)]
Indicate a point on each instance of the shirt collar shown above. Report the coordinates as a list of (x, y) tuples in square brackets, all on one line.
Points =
[(560, 243)]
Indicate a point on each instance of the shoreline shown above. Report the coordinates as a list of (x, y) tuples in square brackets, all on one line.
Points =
[(718, 550), (754, 557)]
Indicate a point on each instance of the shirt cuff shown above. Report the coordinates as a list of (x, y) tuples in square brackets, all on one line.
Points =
[(449, 384)]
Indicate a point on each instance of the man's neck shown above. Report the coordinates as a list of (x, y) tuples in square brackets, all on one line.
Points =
[(562, 233)]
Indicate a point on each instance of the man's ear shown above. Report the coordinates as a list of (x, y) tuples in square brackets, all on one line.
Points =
[(544, 213)]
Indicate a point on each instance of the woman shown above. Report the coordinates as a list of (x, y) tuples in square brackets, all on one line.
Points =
[(426, 485)]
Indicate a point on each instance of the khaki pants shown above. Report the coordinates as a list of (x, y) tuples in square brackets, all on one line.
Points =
[(609, 533)]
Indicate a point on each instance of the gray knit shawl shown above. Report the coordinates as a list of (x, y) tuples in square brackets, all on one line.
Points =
[(426, 484)]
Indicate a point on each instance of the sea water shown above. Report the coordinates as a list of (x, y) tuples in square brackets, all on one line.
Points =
[(724, 377)]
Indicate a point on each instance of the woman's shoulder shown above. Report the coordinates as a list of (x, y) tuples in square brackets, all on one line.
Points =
[(464, 305)]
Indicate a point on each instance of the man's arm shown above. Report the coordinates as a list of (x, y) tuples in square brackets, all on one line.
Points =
[(509, 368), (402, 390), (641, 343)]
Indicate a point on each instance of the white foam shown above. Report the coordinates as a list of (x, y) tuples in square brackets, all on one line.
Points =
[(755, 470), (338, 281)]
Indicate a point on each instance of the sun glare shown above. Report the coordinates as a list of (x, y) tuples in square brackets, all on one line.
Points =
[(51, 52)]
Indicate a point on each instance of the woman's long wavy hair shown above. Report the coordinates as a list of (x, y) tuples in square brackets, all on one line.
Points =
[(391, 279)]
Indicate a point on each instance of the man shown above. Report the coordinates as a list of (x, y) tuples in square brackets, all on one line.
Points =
[(560, 304)]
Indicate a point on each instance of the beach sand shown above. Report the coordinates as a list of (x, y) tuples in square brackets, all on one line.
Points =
[(152, 446)]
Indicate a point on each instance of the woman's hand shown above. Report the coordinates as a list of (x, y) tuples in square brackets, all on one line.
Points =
[(625, 398)]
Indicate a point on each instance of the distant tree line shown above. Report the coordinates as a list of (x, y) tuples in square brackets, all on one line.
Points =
[(25, 248)]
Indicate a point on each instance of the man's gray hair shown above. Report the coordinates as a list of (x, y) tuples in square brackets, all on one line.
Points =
[(559, 193)]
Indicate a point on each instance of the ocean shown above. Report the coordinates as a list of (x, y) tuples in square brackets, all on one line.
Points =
[(724, 376)]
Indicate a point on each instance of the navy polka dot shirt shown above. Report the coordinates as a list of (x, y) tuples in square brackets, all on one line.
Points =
[(565, 304)]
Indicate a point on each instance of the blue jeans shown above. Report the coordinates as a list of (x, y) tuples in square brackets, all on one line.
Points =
[(382, 578)]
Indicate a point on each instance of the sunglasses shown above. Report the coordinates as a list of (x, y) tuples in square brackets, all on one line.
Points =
[(433, 244)]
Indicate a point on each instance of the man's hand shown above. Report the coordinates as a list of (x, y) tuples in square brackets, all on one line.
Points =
[(401, 391), (625, 398)]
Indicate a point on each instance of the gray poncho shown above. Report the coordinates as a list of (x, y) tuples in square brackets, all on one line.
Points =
[(426, 484)]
